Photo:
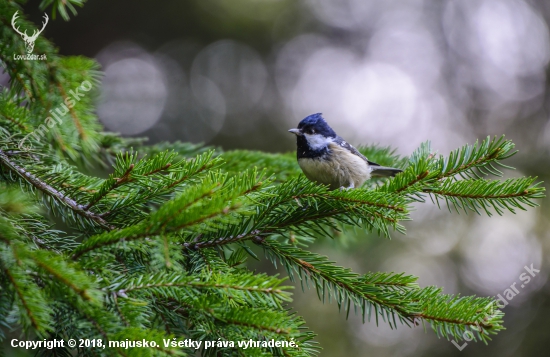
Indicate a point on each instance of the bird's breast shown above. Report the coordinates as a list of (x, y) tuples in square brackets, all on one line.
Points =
[(337, 168)]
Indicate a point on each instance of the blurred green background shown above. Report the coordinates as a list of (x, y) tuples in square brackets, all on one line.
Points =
[(240, 73)]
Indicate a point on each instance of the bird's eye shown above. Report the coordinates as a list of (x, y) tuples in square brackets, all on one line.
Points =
[(313, 131)]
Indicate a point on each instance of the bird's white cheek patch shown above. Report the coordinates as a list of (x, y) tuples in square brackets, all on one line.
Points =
[(317, 141)]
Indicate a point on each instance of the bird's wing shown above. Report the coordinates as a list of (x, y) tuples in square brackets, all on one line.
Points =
[(377, 169), (338, 140)]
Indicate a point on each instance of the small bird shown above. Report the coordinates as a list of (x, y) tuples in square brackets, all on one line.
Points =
[(326, 158)]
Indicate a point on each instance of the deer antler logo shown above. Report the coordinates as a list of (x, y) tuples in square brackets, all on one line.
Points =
[(29, 40)]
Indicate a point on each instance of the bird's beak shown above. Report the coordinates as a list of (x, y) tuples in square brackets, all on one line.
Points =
[(297, 132)]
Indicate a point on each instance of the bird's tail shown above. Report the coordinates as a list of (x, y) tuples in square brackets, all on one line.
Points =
[(383, 171)]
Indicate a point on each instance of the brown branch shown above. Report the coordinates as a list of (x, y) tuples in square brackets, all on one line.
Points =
[(202, 285), (206, 262), (201, 169), (258, 235), (16, 123), (126, 179), (49, 190), (451, 194), (452, 321), (165, 167), (481, 160), (122, 317), (82, 292), (223, 240), (22, 153), (412, 183), (118, 182)]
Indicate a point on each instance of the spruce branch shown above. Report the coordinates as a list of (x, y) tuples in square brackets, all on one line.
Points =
[(49, 190), (307, 208), (67, 274), (419, 170), (470, 161), (110, 186), (480, 157), (458, 179), (20, 221), (390, 295), (197, 206), (242, 288), (154, 179), (476, 194)]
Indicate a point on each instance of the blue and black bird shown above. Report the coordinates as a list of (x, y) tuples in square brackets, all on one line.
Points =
[(328, 159)]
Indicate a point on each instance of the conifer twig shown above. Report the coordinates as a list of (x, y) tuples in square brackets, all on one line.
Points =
[(118, 182), (44, 187)]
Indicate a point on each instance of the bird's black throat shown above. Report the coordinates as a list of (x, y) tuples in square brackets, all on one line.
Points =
[(304, 151)]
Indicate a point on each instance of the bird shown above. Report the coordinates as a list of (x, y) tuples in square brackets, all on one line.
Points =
[(326, 158)]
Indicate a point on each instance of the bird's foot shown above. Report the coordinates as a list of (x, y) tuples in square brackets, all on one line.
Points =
[(342, 188)]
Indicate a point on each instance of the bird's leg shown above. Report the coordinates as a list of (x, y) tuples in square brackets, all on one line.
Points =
[(351, 185)]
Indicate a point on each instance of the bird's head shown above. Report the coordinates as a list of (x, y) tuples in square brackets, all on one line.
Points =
[(315, 130)]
